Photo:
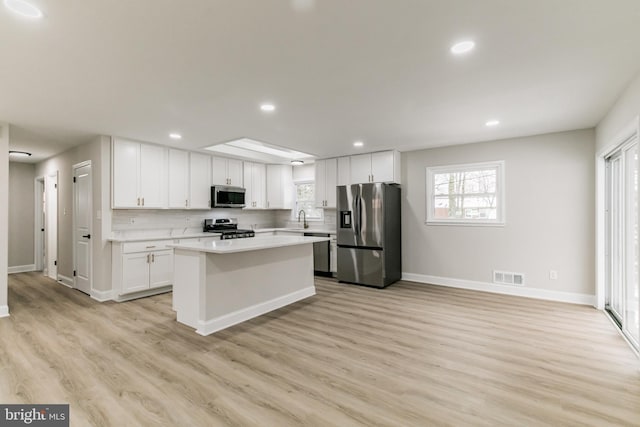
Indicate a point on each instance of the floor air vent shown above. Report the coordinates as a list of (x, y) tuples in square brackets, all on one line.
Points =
[(508, 278)]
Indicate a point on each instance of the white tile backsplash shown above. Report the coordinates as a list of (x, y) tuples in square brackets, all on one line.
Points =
[(127, 223), (283, 219)]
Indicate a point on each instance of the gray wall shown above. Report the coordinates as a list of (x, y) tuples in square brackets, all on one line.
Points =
[(98, 152), (625, 109), (549, 214), (21, 213)]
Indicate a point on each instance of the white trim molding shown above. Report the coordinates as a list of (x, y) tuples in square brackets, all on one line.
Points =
[(134, 295), (67, 281), (239, 316), (537, 293), (21, 268), (4, 311), (101, 296)]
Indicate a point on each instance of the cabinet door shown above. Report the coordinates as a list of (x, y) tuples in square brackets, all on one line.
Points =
[(126, 169), (135, 272), (219, 171), (178, 179), (234, 172), (279, 187), (344, 171), (360, 168), (258, 184), (153, 177), (199, 181), (161, 269), (274, 187), (248, 185), (331, 175), (320, 187), (382, 166)]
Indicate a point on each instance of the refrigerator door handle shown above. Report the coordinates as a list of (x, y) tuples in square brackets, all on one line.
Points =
[(360, 218)]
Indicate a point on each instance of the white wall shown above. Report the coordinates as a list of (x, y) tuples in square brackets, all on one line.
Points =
[(623, 111), (4, 217), (21, 215), (549, 218)]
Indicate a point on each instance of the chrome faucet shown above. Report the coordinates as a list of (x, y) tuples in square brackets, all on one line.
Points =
[(304, 218)]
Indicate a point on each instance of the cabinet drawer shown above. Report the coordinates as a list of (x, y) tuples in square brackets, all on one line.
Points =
[(154, 245)]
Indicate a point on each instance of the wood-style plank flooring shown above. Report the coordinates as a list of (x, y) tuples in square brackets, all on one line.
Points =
[(407, 355)]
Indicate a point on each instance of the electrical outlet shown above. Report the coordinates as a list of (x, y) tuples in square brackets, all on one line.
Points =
[(553, 275), (187, 221)]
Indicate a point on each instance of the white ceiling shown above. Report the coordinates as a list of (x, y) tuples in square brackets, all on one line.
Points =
[(337, 70)]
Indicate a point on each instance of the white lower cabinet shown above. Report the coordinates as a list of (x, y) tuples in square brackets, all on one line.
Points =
[(141, 266)]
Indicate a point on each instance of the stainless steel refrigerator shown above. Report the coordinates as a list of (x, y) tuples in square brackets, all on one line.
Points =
[(368, 233)]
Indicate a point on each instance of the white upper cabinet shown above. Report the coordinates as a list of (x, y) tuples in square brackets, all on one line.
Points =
[(199, 181), (227, 172), (325, 183), (139, 175), (344, 171), (255, 185), (178, 179), (383, 166), (279, 187)]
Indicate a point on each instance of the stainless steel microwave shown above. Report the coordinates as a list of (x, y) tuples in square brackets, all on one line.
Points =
[(224, 196)]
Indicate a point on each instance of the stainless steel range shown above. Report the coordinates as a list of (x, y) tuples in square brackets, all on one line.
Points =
[(227, 227)]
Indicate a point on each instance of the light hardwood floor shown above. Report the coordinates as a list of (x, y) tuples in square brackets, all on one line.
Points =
[(407, 355)]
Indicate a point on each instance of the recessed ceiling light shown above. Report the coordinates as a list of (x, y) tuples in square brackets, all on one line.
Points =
[(19, 153), (462, 47), (175, 136), (268, 107), (297, 162), (492, 123), (358, 144), (23, 8)]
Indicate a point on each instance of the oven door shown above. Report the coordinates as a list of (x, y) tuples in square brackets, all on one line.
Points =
[(228, 197)]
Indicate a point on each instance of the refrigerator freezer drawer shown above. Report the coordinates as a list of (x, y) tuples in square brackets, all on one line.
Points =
[(361, 266)]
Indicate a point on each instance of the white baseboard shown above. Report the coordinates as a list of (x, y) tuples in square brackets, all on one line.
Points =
[(67, 281), (4, 311), (141, 294), (101, 296), (222, 322), (21, 268), (521, 291)]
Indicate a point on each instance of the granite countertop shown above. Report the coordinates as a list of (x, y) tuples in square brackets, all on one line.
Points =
[(245, 245)]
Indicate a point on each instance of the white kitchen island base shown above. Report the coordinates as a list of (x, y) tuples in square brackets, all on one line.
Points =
[(220, 284)]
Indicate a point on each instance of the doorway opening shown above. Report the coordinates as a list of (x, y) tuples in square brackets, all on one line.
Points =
[(47, 220)]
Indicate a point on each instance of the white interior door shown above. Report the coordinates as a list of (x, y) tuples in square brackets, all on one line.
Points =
[(40, 221), (82, 227), (51, 225)]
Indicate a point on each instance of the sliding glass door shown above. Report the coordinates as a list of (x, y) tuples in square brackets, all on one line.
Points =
[(623, 286)]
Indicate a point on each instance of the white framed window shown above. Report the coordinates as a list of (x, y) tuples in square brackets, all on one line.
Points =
[(469, 194), (306, 200)]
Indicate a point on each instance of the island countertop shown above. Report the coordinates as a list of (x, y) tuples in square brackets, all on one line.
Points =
[(248, 244)]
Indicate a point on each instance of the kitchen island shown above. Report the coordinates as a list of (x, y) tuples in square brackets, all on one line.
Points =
[(221, 283)]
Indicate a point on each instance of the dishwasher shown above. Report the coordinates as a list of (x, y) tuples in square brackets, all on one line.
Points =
[(321, 255)]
